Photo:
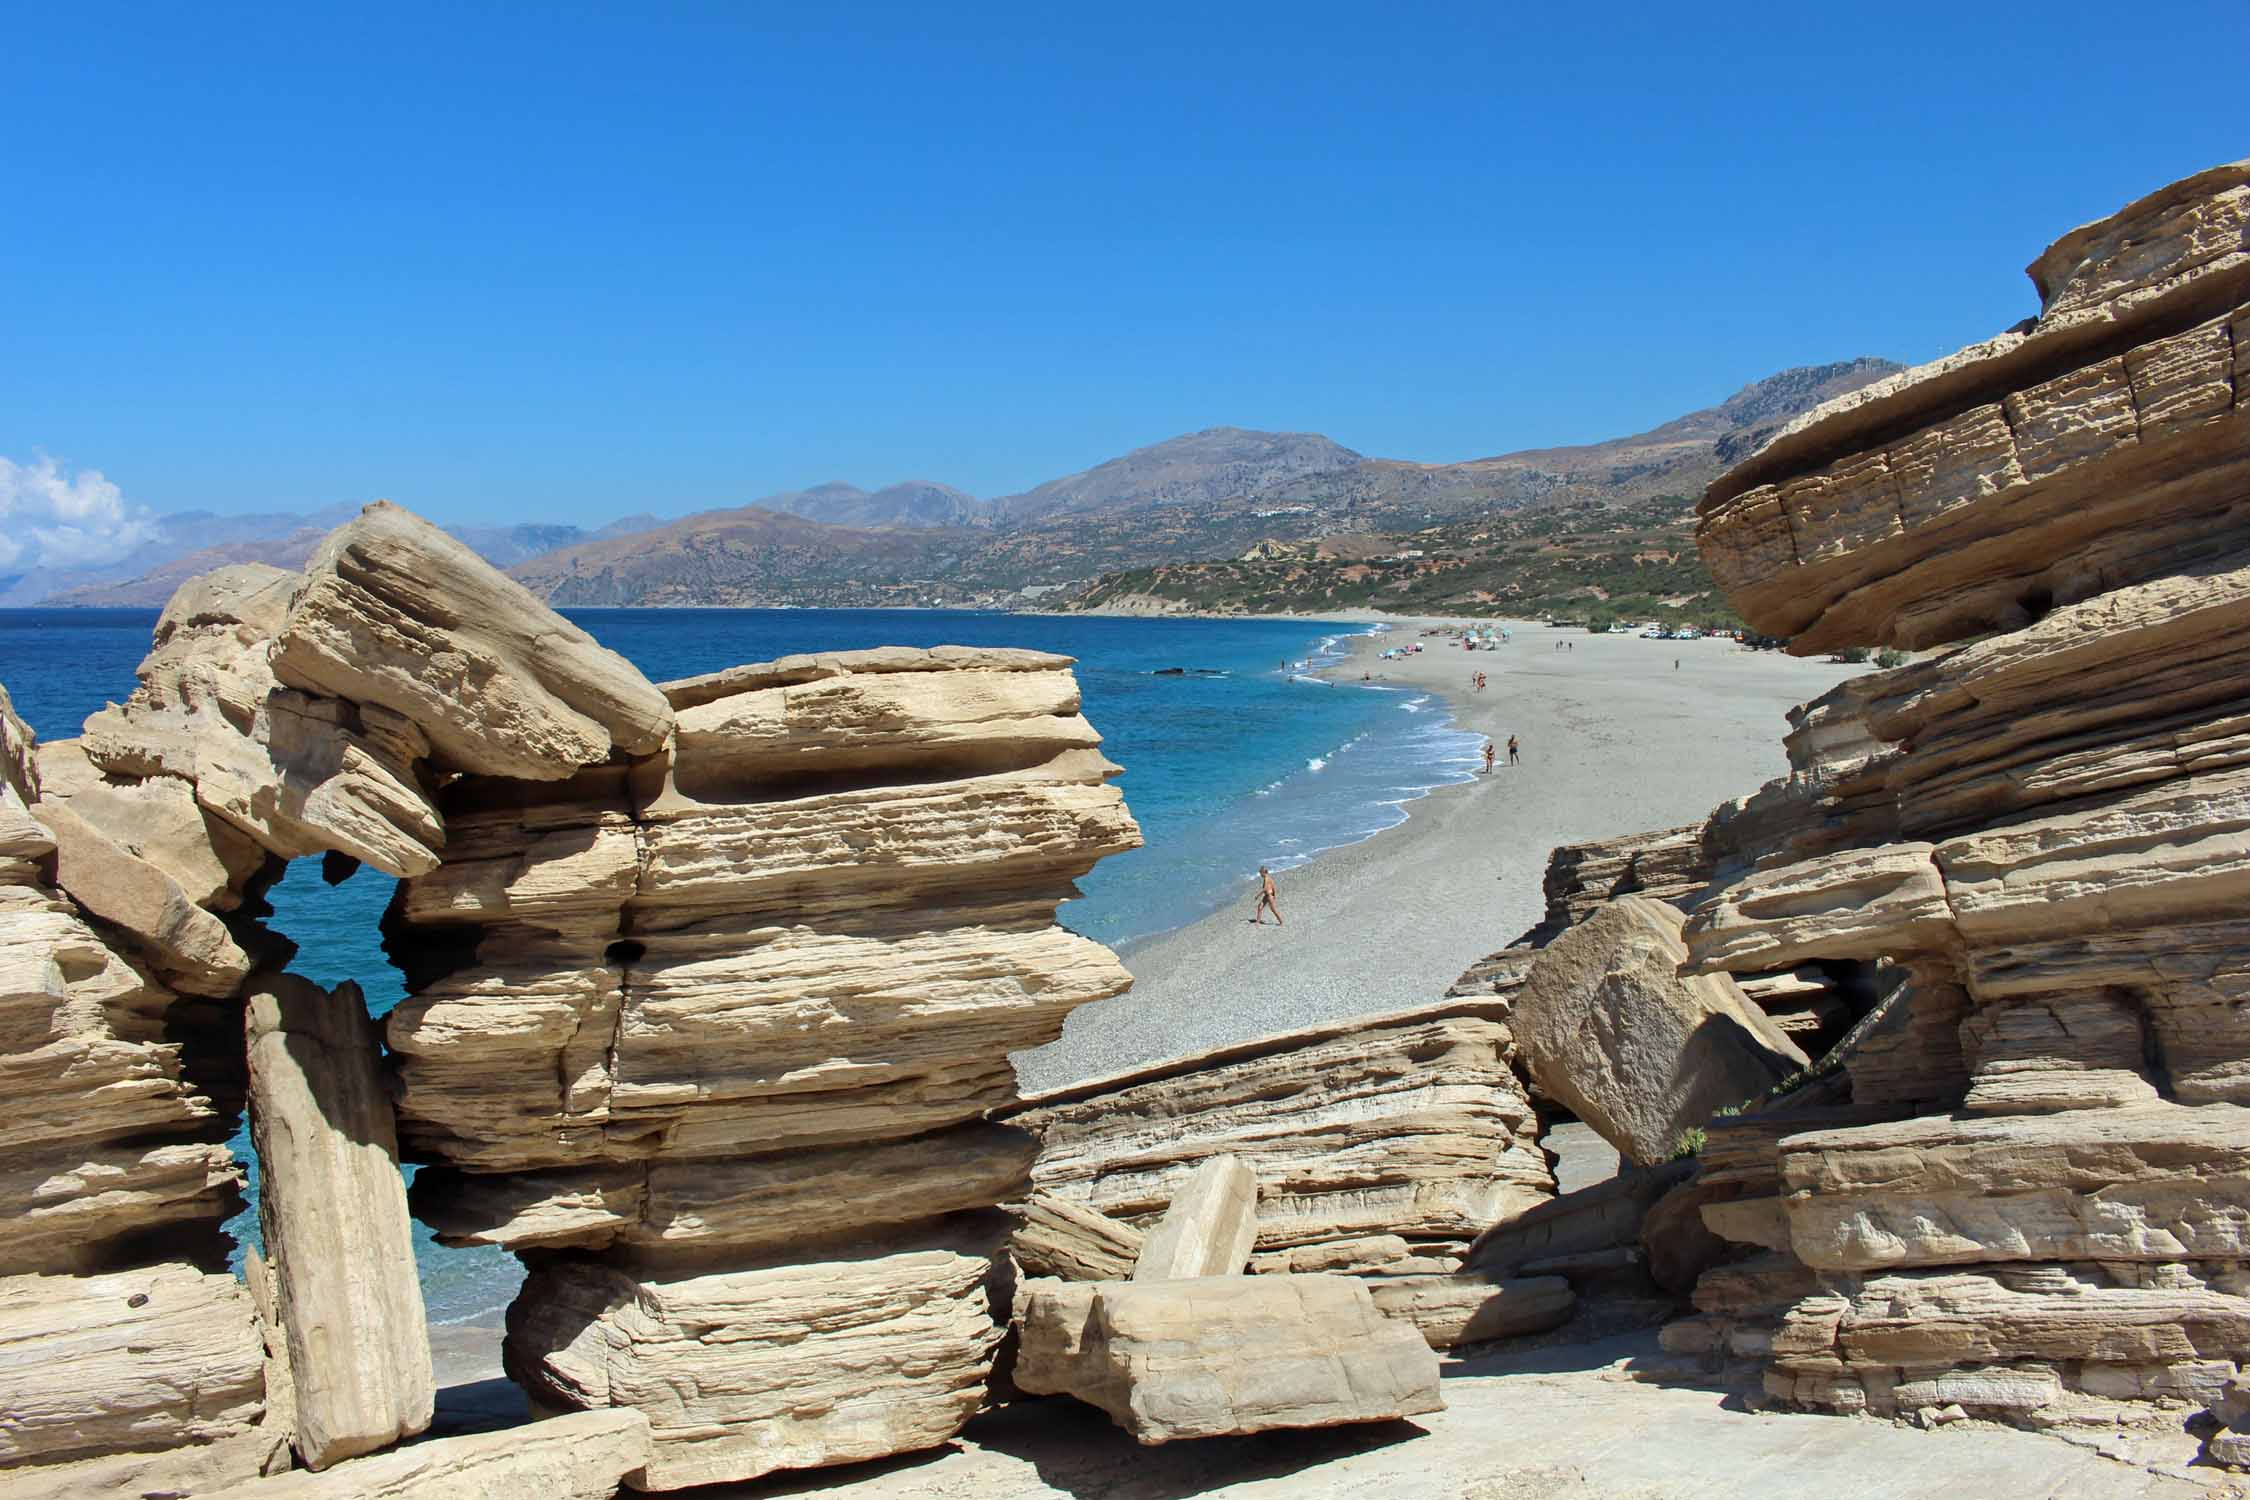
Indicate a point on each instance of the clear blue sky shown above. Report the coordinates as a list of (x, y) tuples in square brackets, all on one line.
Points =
[(558, 262)]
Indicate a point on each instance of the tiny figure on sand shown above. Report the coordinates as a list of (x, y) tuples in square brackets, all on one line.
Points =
[(1488, 753), (1514, 754), (1266, 900)]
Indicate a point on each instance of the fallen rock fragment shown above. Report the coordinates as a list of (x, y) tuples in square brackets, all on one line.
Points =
[(1215, 1356), (1072, 1242), (333, 1208), (1468, 1308), (1609, 1026), (1208, 1229)]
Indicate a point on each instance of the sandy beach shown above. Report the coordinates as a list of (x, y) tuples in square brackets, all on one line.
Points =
[(1616, 739)]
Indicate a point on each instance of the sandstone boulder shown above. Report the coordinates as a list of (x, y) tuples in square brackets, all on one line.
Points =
[(2158, 1183), (189, 947), (1071, 1242), (1609, 1027), (1469, 1308), (397, 614), (781, 1366), (583, 1456), (333, 1208), (162, 1362), (1216, 1356), (1208, 1229)]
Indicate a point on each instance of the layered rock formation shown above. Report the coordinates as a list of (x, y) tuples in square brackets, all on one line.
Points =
[(711, 989), (2029, 1197), (1383, 1143)]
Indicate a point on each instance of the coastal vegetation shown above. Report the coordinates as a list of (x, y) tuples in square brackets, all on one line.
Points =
[(1588, 563)]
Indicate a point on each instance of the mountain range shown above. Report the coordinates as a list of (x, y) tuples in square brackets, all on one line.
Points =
[(1204, 495)]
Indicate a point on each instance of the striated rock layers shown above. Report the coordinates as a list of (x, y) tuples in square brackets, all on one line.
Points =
[(712, 987), (1380, 1144), (713, 1032), (2032, 1199)]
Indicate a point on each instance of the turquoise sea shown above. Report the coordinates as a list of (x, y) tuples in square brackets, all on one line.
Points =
[(1241, 759)]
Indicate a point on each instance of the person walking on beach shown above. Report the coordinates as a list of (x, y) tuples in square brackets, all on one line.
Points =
[(1266, 900), (1514, 754), (1487, 771)]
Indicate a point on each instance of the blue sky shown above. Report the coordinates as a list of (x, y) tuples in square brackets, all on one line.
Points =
[(563, 263)]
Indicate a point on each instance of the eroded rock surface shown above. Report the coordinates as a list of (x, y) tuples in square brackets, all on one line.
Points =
[(1215, 1356), (1609, 1026), (2032, 1202)]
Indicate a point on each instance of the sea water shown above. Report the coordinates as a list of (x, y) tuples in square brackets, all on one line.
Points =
[(1239, 758)]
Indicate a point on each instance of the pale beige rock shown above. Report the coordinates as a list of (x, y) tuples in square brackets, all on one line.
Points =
[(333, 1208), (190, 948), (743, 1372), (582, 1456), (765, 1203), (2159, 1182), (788, 671), (1471, 1309), (66, 1209), (1412, 1123), (295, 773), (19, 770), (1208, 1228), (395, 613), (163, 1360), (2017, 453), (1924, 1338), (1862, 903), (1390, 1254), (1610, 1027), (1216, 1356), (157, 820), (1069, 1241), (863, 720)]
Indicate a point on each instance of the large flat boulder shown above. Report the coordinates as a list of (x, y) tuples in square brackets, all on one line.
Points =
[(1215, 1356), (2157, 1182), (1610, 1027)]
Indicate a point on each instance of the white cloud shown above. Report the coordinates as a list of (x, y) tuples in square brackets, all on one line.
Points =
[(53, 519)]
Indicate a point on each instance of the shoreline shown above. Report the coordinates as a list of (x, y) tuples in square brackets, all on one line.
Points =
[(1616, 740)]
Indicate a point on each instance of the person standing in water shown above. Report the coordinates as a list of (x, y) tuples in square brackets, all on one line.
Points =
[(1266, 900)]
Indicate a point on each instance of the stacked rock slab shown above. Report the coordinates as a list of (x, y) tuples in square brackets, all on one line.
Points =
[(1381, 1144), (278, 715), (130, 1360), (2043, 828), (709, 1034), (766, 941)]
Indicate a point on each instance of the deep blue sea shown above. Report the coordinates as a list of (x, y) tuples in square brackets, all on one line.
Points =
[(1245, 759)]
